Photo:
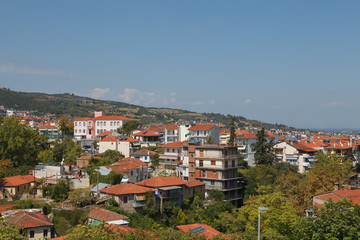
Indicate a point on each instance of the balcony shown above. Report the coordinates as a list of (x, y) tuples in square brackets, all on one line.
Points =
[(215, 167)]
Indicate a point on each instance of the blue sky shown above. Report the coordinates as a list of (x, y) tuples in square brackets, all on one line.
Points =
[(290, 62)]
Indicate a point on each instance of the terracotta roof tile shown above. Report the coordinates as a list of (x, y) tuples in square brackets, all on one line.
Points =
[(194, 183), (209, 232), (124, 189), (23, 219), (144, 152), (175, 144), (16, 180), (103, 134), (113, 118), (146, 134), (201, 126), (161, 181), (105, 215), (172, 127), (4, 208), (114, 139)]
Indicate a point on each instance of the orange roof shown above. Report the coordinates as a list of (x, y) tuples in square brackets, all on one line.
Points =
[(144, 152), (126, 164), (194, 183), (172, 127), (60, 238), (304, 148), (208, 231), (4, 208), (103, 134), (16, 180), (338, 146), (124, 229), (113, 118), (201, 126), (156, 128), (244, 134), (23, 219), (114, 139), (161, 181), (147, 134), (124, 189), (82, 119), (175, 144), (105, 215), (338, 195)]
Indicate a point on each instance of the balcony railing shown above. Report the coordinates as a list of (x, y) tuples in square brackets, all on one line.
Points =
[(139, 204)]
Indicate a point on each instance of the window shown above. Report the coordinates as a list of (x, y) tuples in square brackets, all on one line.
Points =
[(201, 163), (201, 153), (79, 124), (197, 133), (97, 131), (192, 165), (125, 199), (189, 191), (97, 123), (173, 150), (226, 164), (233, 163), (212, 182), (213, 162), (83, 130), (75, 130), (111, 123), (32, 234), (45, 233), (84, 124), (75, 124), (192, 175)]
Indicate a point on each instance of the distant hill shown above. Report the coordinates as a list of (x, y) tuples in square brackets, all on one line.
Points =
[(73, 106)]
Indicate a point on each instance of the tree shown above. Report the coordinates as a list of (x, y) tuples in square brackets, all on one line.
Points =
[(151, 207), (263, 149), (154, 159), (67, 149), (232, 132), (328, 170), (20, 143), (129, 126), (181, 218), (46, 156), (58, 192), (340, 220), (9, 232), (80, 197), (209, 139), (65, 127)]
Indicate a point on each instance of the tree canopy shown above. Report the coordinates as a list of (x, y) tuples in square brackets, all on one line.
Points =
[(263, 149)]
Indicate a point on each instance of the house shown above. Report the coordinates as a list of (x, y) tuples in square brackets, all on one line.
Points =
[(194, 187), (123, 144), (95, 190), (167, 188), (132, 169), (148, 138), (98, 215), (199, 228), (217, 166), (143, 155), (319, 200), (202, 131), (171, 133), (35, 225), (88, 128), (172, 153), (47, 170), (130, 197), (16, 186), (83, 161)]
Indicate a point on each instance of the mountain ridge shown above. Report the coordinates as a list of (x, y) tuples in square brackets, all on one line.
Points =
[(73, 106)]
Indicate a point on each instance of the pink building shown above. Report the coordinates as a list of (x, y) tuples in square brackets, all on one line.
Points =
[(89, 128)]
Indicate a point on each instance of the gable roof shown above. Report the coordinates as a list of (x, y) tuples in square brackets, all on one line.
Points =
[(105, 215), (113, 118), (144, 152), (201, 126), (161, 181), (194, 183), (18, 180), (176, 144), (23, 219), (338, 195), (103, 134), (146, 133), (117, 139), (4, 208), (171, 127), (202, 229), (124, 189)]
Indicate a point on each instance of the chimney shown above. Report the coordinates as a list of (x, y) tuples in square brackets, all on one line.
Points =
[(336, 186)]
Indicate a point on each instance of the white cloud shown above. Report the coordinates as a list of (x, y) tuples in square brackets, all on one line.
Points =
[(14, 69), (247, 101), (99, 92), (212, 101), (129, 95)]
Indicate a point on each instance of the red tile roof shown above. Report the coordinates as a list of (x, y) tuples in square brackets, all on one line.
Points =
[(113, 118), (161, 181), (201, 126), (338, 195), (103, 134), (4, 208), (304, 148), (156, 128), (105, 215), (175, 144), (209, 231), (172, 127), (82, 119), (144, 152), (124, 229), (23, 219), (146, 134), (114, 139), (16, 180), (194, 183), (124, 189), (126, 164)]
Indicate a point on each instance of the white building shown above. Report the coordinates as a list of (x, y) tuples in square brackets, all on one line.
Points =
[(200, 132)]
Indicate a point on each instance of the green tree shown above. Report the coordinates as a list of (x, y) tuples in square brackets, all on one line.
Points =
[(263, 149), (80, 197), (232, 131), (209, 139), (154, 159), (67, 149), (9, 232), (328, 170), (151, 207), (181, 218), (20, 143), (128, 127), (340, 220), (46, 156), (65, 127), (58, 192)]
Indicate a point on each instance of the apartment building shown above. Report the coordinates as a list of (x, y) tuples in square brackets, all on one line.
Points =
[(217, 166), (200, 132), (88, 128)]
